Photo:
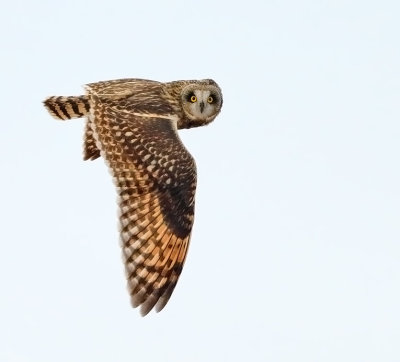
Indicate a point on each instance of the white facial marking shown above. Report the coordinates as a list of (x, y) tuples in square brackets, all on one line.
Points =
[(201, 108)]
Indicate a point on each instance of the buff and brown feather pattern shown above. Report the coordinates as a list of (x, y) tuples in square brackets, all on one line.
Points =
[(133, 125)]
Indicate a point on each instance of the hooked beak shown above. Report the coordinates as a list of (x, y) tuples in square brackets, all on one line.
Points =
[(201, 107)]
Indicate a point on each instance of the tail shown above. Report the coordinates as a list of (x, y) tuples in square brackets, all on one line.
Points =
[(67, 107), (90, 150), (74, 107)]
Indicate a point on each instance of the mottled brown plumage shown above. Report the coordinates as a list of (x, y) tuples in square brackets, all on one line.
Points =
[(133, 124)]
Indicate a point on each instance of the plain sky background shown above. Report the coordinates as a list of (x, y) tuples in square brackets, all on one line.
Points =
[(295, 252)]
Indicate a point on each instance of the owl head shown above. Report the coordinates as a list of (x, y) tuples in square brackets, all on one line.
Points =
[(201, 102)]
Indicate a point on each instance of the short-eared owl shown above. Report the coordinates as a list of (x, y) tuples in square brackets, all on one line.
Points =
[(133, 124)]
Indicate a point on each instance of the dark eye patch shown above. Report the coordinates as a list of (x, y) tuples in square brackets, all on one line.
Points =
[(214, 97), (189, 95)]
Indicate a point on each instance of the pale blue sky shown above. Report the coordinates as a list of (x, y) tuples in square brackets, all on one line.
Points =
[(295, 253)]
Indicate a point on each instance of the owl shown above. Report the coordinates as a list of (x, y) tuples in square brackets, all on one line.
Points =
[(132, 124)]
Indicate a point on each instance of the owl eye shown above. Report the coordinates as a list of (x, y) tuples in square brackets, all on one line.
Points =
[(210, 99), (193, 99)]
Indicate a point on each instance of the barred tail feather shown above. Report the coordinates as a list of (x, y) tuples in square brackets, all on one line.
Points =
[(90, 150), (67, 107)]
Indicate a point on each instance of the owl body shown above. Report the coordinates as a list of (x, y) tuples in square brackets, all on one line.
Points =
[(132, 124)]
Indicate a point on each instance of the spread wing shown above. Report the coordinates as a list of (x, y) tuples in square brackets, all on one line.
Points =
[(122, 88), (156, 181)]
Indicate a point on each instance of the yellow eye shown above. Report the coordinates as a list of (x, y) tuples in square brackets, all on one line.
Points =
[(193, 99), (210, 99)]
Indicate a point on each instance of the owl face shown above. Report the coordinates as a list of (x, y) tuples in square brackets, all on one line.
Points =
[(201, 103)]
